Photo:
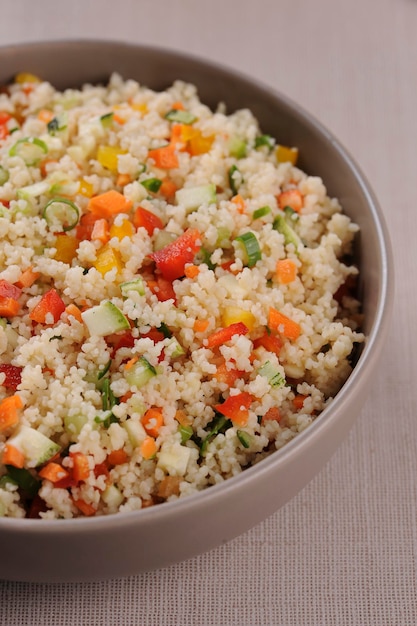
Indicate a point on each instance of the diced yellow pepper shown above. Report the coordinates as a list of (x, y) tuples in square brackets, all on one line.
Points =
[(86, 189), (141, 107), (66, 248), (26, 77), (107, 156), (284, 154), (234, 314), (126, 229), (107, 259), (198, 144)]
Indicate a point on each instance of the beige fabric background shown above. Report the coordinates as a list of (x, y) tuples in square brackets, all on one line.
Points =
[(343, 552)]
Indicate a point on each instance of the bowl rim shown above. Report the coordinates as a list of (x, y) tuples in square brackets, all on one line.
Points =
[(369, 354)]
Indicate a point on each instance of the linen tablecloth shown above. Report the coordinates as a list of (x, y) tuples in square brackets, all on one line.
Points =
[(344, 551)]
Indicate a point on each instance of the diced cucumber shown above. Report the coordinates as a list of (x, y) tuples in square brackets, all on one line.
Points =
[(237, 147), (4, 175), (140, 373), (107, 119), (192, 198), (33, 191), (105, 319), (186, 433), (58, 124), (35, 446), (132, 285), (180, 116), (73, 425), (65, 188), (112, 497), (174, 349), (244, 438), (162, 239), (173, 458), (135, 431), (272, 374), (30, 149), (290, 236)]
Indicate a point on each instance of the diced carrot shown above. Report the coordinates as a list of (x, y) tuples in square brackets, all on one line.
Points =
[(219, 337), (43, 164), (152, 421), (9, 307), (272, 414), (9, 408), (286, 271), (118, 119), (130, 363), (53, 472), (27, 278), (240, 204), (45, 115), (200, 326), (117, 457), (73, 310), (87, 509), (168, 188), (109, 203), (169, 486), (191, 271), (13, 456), (292, 198), (228, 376), (178, 137), (283, 324), (148, 448), (227, 265), (298, 401), (165, 157), (178, 106), (80, 466), (182, 418), (100, 231), (126, 396), (123, 180)]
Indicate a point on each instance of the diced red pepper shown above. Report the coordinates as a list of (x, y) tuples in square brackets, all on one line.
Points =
[(163, 289), (172, 259), (13, 376), (148, 220), (236, 408), (272, 343), (85, 226), (155, 335), (223, 335), (50, 302), (8, 290)]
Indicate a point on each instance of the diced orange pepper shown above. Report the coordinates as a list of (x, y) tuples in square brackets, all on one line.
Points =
[(9, 307), (272, 414), (117, 457), (286, 271), (66, 248), (101, 230), (107, 259), (236, 408), (148, 448), (164, 157), (53, 472), (191, 271), (9, 411), (27, 278), (182, 418), (80, 467), (86, 509), (125, 229), (298, 401), (152, 421), (292, 198), (13, 456), (123, 180), (45, 115), (109, 203), (178, 106), (168, 188), (200, 326), (283, 324), (240, 204), (73, 310)]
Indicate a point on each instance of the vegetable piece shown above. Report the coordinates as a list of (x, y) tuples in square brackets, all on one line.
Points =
[(125, 229), (24, 479), (223, 335), (264, 141), (236, 408), (112, 496), (172, 259), (180, 116), (13, 375), (286, 271), (58, 123), (26, 77), (251, 248), (100, 231), (272, 343), (169, 486), (109, 204), (168, 188), (86, 509), (12, 456), (228, 376), (107, 259), (152, 421), (272, 374), (104, 319), (283, 324), (4, 176), (117, 457), (292, 198), (163, 289), (237, 147), (132, 285), (186, 433), (73, 425), (107, 119), (291, 215), (290, 236), (239, 203), (36, 447), (30, 149), (53, 472), (298, 401), (147, 220), (218, 425), (197, 143), (9, 307), (33, 191), (66, 248), (200, 326), (234, 314), (61, 214), (244, 438), (108, 157), (49, 308), (173, 458), (164, 157), (272, 414), (27, 278), (123, 180), (148, 448), (9, 290), (191, 198), (80, 466), (192, 271), (140, 373), (283, 154), (73, 310), (152, 184), (235, 179), (261, 212)]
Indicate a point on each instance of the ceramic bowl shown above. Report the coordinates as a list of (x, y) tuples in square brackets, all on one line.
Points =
[(119, 545)]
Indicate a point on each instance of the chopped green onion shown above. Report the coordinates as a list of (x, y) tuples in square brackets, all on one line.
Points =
[(182, 117), (106, 420), (33, 191), (61, 214), (264, 210), (103, 372), (132, 285), (244, 438), (58, 123), (237, 147), (30, 149), (290, 236), (140, 373), (235, 179), (272, 374), (4, 175), (24, 479), (152, 184), (290, 214), (218, 425), (107, 396), (186, 433), (250, 247), (205, 256), (265, 140), (107, 119)]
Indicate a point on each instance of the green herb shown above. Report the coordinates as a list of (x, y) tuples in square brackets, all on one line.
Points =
[(55, 337), (218, 425), (152, 184), (103, 372), (108, 399), (24, 479), (163, 328), (235, 179), (244, 438), (265, 140)]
